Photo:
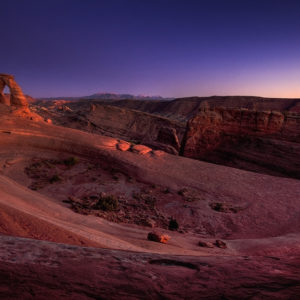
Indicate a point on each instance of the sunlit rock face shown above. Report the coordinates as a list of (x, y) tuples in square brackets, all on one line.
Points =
[(17, 97), (265, 141)]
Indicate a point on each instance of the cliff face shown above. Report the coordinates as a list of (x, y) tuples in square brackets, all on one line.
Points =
[(263, 141), (138, 126), (183, 109), (131, 125)]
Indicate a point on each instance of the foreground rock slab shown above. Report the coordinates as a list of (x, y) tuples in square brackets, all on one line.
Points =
[(32, 269)]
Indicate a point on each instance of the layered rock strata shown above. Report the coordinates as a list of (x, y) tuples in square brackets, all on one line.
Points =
[(267, 141)]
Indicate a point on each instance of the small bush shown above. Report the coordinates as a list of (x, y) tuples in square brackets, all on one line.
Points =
[(54, 178), (71, 161), (173, 224), (166, 191), (183, 192), (107, 203)]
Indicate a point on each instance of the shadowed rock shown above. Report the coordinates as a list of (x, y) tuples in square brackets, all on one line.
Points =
[(17, 97)]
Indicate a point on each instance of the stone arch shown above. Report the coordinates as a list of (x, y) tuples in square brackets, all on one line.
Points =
[(17, 97)]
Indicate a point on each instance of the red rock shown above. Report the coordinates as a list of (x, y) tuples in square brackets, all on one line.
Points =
[(248, 139), (158, 153), (123, 146), (158, 237), (17, 97), (141, 149), (205, 244), (220, 244)]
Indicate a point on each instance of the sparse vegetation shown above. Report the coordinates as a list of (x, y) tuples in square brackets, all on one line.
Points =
[(166, 191), (54, 178), (107, 203), (115, 177), (182, 192), (224, 207), (71, 161), (173, 224)]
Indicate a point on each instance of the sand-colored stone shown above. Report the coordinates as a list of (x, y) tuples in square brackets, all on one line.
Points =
[(123, 146), (141, 149)]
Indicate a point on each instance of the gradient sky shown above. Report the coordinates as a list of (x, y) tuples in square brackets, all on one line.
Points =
[(152, 47)]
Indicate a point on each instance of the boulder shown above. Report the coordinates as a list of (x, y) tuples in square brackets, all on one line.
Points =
[(206, 244), (158, 153), (123, 146), (158, 237), (141, 149), (220, 244)]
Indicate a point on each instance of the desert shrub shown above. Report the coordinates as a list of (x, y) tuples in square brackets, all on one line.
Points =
[(166, 191), (183, 192), (115, 177), (224, 207), (173, 224), (54, 178), (71, 161), (107, 203)]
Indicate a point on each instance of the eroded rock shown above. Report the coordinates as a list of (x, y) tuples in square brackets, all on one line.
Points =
[(220, 244), (247, 139), (123, 146), (206, 244), (158, 237), (17, 97), (141, 149)]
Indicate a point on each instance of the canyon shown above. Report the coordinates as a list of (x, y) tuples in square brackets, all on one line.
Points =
[(83, 183), (222, 130)]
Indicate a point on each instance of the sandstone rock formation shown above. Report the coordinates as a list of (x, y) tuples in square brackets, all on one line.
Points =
[(140, 149), (17, 97), (205, 244), (249, 139), (158, 237), (135, 126), (123, 146), (183, 109)]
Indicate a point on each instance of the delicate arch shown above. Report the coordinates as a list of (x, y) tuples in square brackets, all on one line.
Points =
[(17, 97)]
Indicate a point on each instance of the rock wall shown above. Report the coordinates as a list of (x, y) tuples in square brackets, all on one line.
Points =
[(148, 129), (262, 141)]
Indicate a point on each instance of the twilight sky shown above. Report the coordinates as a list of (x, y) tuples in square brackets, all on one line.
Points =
[(152, 47)]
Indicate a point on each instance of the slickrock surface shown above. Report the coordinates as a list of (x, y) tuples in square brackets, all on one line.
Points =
[(41, 270), (72, 187)]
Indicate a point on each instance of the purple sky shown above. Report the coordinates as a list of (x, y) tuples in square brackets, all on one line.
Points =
[(158, 47)]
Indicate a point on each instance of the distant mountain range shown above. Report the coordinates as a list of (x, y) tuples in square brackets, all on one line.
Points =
[(110, 96)]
